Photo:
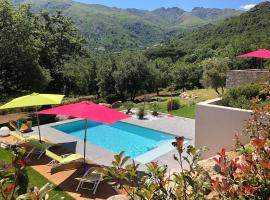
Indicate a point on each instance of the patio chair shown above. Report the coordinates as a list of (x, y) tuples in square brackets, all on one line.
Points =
[(38, 148), (63, 159), (91, 176)]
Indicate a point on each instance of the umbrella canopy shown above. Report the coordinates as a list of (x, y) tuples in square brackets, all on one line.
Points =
[(34, 99), (261, 53), (88, 111)]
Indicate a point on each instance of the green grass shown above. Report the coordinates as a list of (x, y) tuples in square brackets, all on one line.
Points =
[(186, 111), (188, 106), (35, 179)]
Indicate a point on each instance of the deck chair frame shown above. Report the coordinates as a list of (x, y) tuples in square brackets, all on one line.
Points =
[(95, 180)]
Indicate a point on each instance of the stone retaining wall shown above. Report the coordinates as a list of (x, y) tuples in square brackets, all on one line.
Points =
[(236, 78)]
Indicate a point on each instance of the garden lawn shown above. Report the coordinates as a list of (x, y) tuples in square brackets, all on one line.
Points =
[(35, 179), (187, 106)]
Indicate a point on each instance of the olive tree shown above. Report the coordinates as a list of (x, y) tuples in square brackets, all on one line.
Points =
[(214, 73)]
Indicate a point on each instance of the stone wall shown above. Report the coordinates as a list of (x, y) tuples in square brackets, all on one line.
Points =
[(236, 78)]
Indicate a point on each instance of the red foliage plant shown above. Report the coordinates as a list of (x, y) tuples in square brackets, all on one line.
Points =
[(248, 175)]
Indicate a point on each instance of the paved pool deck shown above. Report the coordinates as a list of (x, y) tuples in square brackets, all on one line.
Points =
[(176, 126)]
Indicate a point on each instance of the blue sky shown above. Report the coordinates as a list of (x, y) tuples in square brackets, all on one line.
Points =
[(185, 4)]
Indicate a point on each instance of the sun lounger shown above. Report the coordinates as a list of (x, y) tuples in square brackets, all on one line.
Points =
[(18, 136), (63, 159), (38, 148), (33, 141), (91, 176), (26, 137)]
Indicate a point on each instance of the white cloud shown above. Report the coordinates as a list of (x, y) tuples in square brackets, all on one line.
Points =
[(248, 6)]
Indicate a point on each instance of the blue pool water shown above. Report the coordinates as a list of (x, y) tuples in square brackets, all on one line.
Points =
[(120, 136)]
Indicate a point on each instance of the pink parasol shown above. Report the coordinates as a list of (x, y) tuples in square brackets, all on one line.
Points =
[(261, 53), (87, 111)]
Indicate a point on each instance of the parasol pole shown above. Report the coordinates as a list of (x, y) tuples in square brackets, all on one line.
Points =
[(85, 137), (38, 125)]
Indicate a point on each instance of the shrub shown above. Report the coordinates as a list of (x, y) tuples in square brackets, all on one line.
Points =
[(79, 99), (141, 112), (157, 183), (239, 102), (111, 98), (191, 102), (241, 97), (128, 105), (173, 104), (154, 107), (248, 175), (13, 177), (147, 99), (161, 99), (3, 112)]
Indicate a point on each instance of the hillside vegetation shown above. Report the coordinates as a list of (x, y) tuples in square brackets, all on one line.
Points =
[(236, 35), (116, 29), (48, 54)]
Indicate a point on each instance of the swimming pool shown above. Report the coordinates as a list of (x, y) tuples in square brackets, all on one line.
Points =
[(141, 144)]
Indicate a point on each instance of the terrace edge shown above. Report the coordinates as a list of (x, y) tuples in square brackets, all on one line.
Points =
[(216, 126)]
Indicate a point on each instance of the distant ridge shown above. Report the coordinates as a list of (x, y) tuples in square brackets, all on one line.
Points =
[(233, 36), (115, 29)]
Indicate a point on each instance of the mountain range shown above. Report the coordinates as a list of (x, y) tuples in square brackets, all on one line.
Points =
[(110, 28), (234, 36)]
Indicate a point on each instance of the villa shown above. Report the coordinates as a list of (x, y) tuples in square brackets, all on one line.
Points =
[(108, 103)]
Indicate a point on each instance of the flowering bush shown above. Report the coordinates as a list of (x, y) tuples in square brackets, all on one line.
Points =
[(13, 177), (157, 182), (248, 175)]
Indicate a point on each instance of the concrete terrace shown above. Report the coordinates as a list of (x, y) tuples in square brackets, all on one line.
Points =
[(176, 126)]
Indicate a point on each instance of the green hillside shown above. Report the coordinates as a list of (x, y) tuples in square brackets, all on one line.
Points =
[(117, 29), (236, 35), (189, 20)]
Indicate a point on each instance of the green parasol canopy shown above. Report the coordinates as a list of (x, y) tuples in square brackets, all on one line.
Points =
[(34, 100)]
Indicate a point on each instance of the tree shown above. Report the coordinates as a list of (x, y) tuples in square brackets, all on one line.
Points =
[(131, 74), (61, 41), (214, 73), (19, 45), (34, 49), (160, 74), (187, 76), (106, 84), (79, 77), (164, 52)]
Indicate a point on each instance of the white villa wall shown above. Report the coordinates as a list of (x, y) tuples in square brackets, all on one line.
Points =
[(215, 126)]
